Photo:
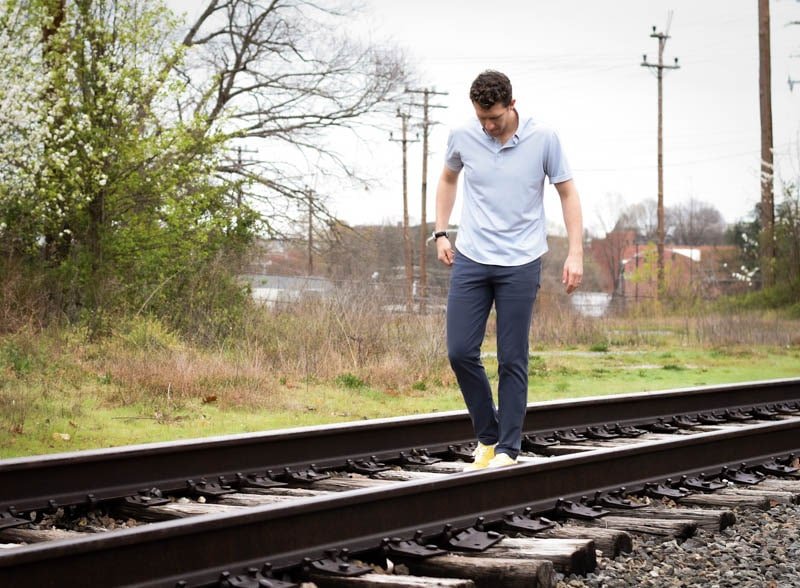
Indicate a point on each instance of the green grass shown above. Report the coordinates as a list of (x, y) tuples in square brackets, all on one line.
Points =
[(51, 402), (96, 427), (573, 373)]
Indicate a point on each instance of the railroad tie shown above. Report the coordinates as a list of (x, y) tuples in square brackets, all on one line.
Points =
[(774, 496), (792, 486), (488, 572), (21, 535), (399, 475), (569, 556), (252, 499), (286, 491), (441, 467), (708, 519), (344, 483), (389, 581), (680, 528), (175, 510), (739, 499), (609, 542)]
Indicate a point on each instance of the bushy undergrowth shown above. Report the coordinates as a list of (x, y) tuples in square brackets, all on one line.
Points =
[(346, 340), (784, 297), (346, 334)]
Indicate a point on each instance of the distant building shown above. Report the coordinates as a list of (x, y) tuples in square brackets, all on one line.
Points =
[(706, 271), (628, 267), (272, 290)]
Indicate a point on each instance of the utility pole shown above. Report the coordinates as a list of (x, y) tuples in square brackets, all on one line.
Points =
[(423, 225), (310, 200), (766, 241), (659, 68), (407, 253)]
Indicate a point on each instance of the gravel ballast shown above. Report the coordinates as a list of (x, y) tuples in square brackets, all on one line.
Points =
[(761, 550)]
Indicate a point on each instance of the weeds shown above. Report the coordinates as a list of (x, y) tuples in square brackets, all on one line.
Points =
[(148, 334), (536, 366), (674, 366), (321, 359), (351, 381), (16, 359)]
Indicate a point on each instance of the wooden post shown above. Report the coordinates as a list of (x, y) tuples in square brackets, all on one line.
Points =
[(660, 67), (767, 237), (407, 252)]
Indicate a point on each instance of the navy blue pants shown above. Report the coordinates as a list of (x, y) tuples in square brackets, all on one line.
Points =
[(473, 289)]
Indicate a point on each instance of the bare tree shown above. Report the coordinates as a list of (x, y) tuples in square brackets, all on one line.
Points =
[(696, 223), (641, 217), (279, 76)]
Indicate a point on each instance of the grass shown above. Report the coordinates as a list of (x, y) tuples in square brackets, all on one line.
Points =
[(573, 374), (60, 393), (342, 359), (91, 424)]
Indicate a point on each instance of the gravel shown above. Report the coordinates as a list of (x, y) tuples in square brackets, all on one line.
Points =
[(761, 550), (91, 522)]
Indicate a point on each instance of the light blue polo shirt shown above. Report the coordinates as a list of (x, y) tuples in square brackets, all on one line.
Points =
[(502, 218)]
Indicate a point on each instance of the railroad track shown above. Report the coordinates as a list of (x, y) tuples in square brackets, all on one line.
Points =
[(689, 432)]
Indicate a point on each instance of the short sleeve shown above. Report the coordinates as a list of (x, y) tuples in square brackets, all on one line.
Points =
[(556, 165), (452, 157)]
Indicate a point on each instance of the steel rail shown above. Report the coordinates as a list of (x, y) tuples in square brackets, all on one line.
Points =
[(68, 478), (197, 550)]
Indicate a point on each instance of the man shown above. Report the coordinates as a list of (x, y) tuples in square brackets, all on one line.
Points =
[(501, 238)]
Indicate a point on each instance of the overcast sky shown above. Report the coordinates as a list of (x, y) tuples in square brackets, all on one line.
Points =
[(575, 65)]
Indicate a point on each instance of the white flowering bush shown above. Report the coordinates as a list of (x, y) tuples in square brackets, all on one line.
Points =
[(102, 185), (122, 180)]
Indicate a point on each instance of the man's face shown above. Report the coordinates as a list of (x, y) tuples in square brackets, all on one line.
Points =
[(498, 119)]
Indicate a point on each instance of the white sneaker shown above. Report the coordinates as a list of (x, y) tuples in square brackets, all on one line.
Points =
[(501, 460), (482, 455)]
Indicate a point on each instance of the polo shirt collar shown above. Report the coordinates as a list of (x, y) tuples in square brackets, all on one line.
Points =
[(521, 122)]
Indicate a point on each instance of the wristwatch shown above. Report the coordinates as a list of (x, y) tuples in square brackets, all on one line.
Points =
[(437, 234)]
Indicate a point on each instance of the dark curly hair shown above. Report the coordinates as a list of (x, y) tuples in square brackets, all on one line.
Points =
[(489, 88)]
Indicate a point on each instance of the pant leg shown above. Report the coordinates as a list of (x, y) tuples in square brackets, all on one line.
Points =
[(515, 293), (468, 303)]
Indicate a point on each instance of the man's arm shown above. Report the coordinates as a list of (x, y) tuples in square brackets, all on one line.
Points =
[(445, 198), (571, 207)]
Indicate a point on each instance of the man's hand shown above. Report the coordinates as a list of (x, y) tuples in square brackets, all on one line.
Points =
[(573, 272), (444, 251)]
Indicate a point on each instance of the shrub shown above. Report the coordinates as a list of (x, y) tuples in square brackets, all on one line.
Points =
[(149, 334), (348, 380), (15, 358)]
